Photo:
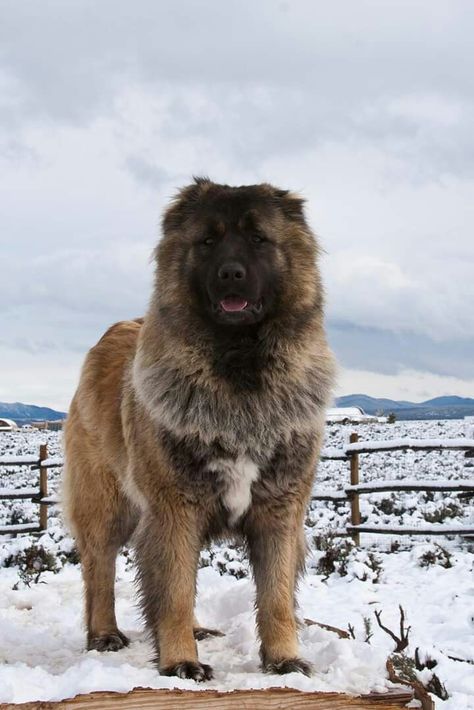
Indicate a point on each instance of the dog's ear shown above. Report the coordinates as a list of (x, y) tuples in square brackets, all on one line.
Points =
[(292, 205), (202, 181), (184, 202)]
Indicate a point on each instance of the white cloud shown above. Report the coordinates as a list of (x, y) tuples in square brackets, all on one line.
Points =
[(45, 380), (427, 109), (405, 385), (366, 108)]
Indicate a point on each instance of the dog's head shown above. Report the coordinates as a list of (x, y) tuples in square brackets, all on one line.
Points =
[(237, 255)]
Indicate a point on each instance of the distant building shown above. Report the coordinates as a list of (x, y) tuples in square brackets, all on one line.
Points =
[(8, 425), (55, 425), (351, 415)]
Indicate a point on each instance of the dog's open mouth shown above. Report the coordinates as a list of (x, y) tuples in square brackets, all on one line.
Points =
[(237, 304), (232, 304)]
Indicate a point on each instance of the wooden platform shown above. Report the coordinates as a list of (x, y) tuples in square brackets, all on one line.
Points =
[(268, 699)]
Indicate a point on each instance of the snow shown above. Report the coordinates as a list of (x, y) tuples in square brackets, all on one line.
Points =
[(52, 462), (42, 637), (51, 662)]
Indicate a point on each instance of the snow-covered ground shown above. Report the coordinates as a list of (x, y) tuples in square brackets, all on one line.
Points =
[(42, 638)]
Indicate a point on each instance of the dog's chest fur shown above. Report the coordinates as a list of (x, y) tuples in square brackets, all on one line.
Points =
[(237, 477), (248, 423), (234, 481), (231, 445)]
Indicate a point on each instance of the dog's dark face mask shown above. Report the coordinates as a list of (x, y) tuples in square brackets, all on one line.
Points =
[(235, 274)]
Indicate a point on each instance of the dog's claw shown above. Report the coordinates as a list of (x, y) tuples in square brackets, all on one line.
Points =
[(108, 642), (189, 669), (289, 665)]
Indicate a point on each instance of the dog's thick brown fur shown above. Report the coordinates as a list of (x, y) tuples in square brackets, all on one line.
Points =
[(184, 430)]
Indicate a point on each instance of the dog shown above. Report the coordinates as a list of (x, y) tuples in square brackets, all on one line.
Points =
[(204, 421)]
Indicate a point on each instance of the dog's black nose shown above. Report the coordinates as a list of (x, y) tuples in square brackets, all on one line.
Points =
[(232, 271)]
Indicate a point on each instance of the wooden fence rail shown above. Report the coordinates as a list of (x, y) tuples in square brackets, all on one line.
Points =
[(350, 493)]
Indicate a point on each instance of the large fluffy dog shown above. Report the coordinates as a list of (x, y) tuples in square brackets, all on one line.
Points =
[(205, 420)]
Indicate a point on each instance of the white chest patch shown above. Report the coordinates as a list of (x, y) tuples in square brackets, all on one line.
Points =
[(238, 477)]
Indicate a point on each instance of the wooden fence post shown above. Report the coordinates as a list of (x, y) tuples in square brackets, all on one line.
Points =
[(355, 508), (43, 485)]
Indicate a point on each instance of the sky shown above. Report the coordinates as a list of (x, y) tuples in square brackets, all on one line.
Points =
[(364, 108)]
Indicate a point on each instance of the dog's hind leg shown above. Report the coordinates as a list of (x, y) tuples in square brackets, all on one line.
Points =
[(102, 521), (98, 571)]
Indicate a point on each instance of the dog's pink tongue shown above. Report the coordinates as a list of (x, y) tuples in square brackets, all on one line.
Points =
[(233, 303)]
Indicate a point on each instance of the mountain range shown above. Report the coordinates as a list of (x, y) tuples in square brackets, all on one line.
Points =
[(449, 407), (24, 413)]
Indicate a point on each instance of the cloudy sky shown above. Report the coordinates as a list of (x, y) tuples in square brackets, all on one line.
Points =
[(365, 107)]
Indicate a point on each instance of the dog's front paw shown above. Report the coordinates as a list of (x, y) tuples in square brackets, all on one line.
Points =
[(107, 642), (289, 665), (189, 669)]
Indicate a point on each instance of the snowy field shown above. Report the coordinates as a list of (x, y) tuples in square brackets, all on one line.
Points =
[(42, 637)]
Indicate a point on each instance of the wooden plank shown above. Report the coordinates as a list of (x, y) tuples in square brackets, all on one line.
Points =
[(18, 460), (370, 447), (55, 462), (402, 530), (337, 496), (18, 494), (269, 699), (355, 505), (385, 486), (333, 455), (43, 492), (19, 528)]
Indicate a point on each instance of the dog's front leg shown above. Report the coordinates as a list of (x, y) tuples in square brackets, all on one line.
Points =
[(276, 546), (167, 548)]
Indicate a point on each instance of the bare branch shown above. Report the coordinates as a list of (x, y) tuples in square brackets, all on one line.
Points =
[(368, 629), (420, 665), (436, 687), (400, 641), (461, 660)]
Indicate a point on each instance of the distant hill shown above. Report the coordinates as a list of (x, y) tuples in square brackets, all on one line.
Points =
[(448, 407), (24, 413)]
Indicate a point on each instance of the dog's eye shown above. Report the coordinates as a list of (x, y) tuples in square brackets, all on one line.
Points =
[(257, 239), (208, 242)]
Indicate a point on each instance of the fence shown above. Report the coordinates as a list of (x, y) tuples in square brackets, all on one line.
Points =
[(351, 493), (351, 452), (37, 495)]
